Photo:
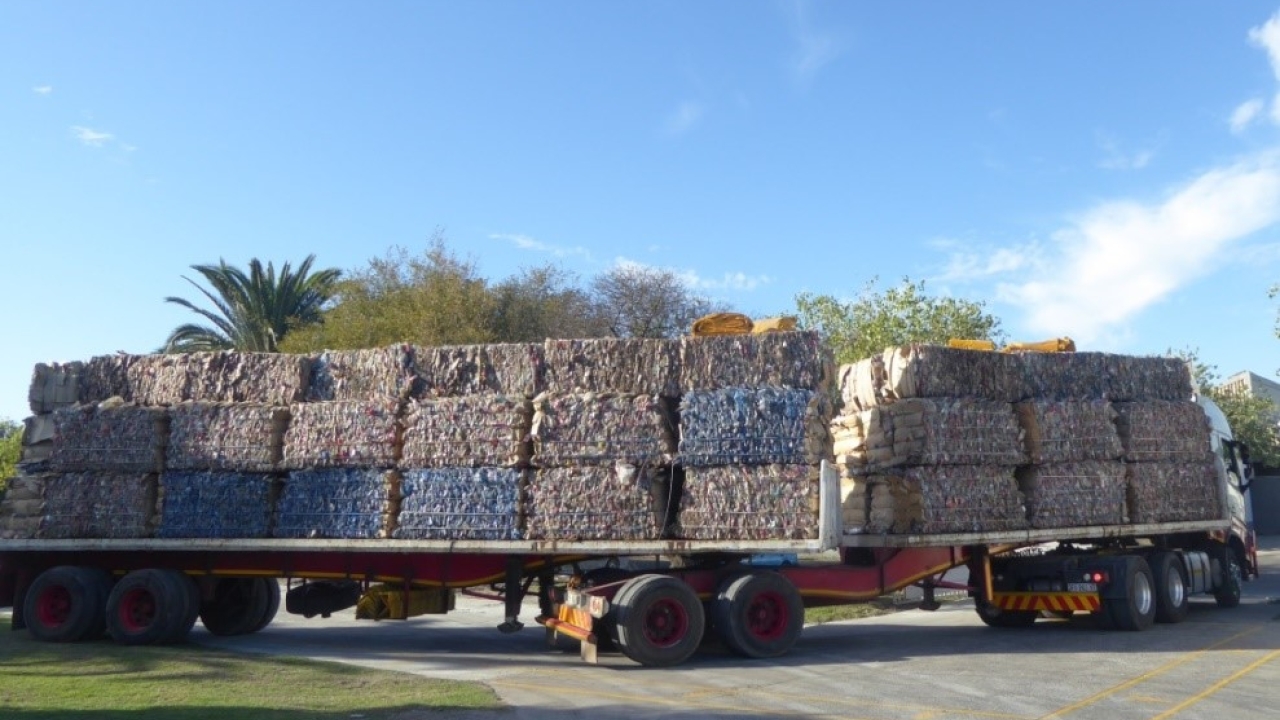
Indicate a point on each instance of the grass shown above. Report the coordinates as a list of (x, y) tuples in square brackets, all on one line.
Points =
[(101, 680), (835, 613)]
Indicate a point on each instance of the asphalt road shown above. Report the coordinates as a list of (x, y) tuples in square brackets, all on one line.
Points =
[(912, 665)]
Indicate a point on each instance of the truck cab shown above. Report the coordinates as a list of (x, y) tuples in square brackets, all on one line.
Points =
[(1233, 457)]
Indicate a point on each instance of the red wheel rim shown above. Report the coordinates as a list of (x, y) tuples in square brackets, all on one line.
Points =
[(53, 606), (666, 623), (137, 610), (767, 615)]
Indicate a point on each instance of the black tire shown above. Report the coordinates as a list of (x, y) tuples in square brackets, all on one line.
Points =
[(236, 608), (271, 587), (146, 607), (188, 593), (1228, 594), (1133, 606), (659, 620), (996, 617), (1173, 597), (758, 615), (66, 604)]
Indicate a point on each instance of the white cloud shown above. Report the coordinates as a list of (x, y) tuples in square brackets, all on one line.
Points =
[(1116, 157), (694, 281), (969, 265), (684, 118), (814, 49), (91, 137), (42, 89), (1245, 114), (524, 242), (1119, 258), (1267, 37)]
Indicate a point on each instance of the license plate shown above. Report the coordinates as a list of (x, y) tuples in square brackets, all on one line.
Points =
[(1082, 587)]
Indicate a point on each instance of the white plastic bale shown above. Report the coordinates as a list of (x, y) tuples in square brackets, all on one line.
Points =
[(117, 438), (1133, 378), (935, 371), (1162, 430), (471, 431), (243, 437), (798, 360), (1064, 376), (1181, 491), (936, 431), (342, 434), (1061, 431), (750, 502), (601, 429), (449, 371), (106, 376), (99, 505), (242, 377), (22, 505), (942, 499), (1075, 494), (754, 426), (372, 374), (515, 369), (629, 366), (618, 502), (460, 504), (54, 385), (862, 383)]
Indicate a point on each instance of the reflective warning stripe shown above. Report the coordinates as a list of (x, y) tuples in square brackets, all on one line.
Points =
[(1051, 602)]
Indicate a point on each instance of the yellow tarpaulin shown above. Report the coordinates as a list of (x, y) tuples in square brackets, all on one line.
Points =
[(722, 324), (776, 324)]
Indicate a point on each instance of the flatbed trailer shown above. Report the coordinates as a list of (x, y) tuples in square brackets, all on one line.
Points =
[(656, 611)]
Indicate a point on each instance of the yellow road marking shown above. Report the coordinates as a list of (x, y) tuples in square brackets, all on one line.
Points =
[(1133, 682), (1217, 686)]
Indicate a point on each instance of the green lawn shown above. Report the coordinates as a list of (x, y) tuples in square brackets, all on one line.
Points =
[(84, 681)]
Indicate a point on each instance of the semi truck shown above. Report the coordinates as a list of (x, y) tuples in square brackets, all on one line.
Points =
[(653, 600)]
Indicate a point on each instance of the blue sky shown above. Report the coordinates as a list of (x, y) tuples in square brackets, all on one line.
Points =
[(1108, 171)]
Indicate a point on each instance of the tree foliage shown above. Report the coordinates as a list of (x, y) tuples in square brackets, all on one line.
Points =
[(1253, 419), (253, 311), (645, 302), (10, 451), (878, 319), (438, 298)]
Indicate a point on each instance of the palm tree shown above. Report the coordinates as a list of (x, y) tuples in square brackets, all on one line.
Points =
[(254, 310)]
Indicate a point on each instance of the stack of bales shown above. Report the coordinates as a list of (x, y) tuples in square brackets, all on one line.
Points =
[(754, 429), (929, 442), (113, 437), (603, 440), (342, 445), (466, 441), (937, 440)]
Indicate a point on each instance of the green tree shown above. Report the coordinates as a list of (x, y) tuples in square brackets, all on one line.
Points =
[(253, 311), (433, 299), (1252, 419), (10, 451), (541, 303), (905, 314)]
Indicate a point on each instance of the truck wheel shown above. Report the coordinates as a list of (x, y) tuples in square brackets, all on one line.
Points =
[(271, 587), (659, 620), (759, 615), (237, 606), (997, 617), (188, 594), (146, 607), (1228, 595), (1170, 577), (66, 604), (1135, 606)]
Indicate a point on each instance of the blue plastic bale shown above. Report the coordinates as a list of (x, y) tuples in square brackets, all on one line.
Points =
[(215, 505), (747, 426), (460, 504), (345, 503)]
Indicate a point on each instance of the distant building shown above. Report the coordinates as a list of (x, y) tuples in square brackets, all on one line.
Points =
[(1253, 385)]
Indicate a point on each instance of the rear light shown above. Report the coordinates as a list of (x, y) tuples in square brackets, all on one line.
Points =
[(1098, 577)]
